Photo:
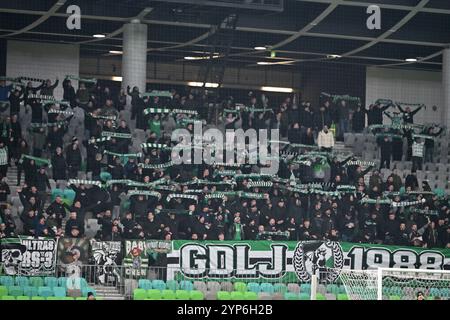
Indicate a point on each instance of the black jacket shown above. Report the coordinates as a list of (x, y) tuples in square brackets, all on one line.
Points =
[(59, 167)]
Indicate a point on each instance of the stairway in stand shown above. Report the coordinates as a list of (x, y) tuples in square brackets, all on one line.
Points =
[(108, 293)]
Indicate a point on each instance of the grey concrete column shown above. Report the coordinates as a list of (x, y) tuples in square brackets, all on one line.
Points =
[(446, 86), (134, 59)]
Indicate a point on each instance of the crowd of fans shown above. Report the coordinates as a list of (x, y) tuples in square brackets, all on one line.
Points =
[(298, 204)]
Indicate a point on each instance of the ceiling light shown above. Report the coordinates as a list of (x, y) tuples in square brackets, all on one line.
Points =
[(200, 84), (333, 56), (263, 63), (115, 52), (411, 60), (201, 58), (99, 36), (260, 48), (117, 79), (277, 89)]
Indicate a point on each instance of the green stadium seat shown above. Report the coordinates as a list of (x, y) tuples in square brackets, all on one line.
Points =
[(280, 287), (83, 283), (59, 291), (435, 292), (305, 288), (240, 286), (45, 291), (85, 290), (80, 298), (30, 291), (304, 296), (57, 192), (172, 285), (320, 296), (158, 284), (15, 291), (105, 176), (6, 281), (237, 295), (196, 295), (22, 281), (332, 288), (139, 294), (392, 298), (266, 287), (62, 282), (253, 287), (36, 282), (144, 284), (186, 285), (37, 298), (168, 295), (69, 196), (250, 295), (223, 295), (8, 298), (342, 296), (154, 294), (182, 295), (291, 296), (3, 291), (22, 298), (341, 289), (51, 282), (396, 291)]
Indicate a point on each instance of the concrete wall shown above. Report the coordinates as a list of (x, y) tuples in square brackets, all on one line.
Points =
[(410, 86), (43, 60)]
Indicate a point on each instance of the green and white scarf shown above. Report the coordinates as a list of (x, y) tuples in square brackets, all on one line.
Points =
[(119, 135), (360, 163), (156, 166), (336, 98), (154, 146), (156, 93), (123, 155), (31, 79), (91, 80), (181, 196), (225, 173), (45, 125), (55, 111), (207, 182), (423, 136), (86, 182), (259, 184), (36, 159), (144, 193), (253, 176), (99, 140), (4, 156), (41, 97), (95, 116)]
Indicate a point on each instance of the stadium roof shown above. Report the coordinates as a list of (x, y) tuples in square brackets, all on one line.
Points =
[(305, 32)]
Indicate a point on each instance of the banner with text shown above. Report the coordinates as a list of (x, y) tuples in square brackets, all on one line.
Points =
[(28, 256), (292, 261)]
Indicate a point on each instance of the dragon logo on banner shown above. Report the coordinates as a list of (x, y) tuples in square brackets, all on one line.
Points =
[(324, 258), (107, 255)]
